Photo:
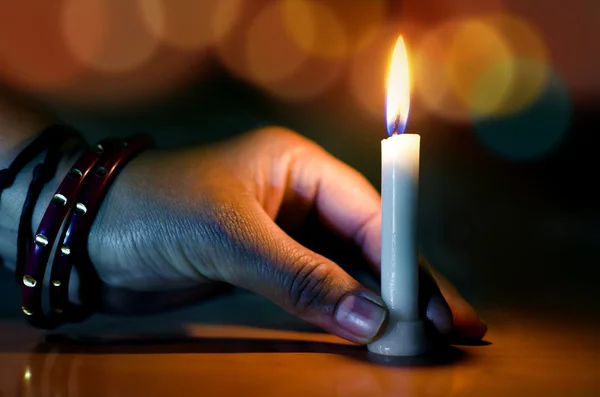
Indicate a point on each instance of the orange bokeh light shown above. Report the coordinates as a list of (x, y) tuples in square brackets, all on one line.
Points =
[(108, 35), (262, 51), (315, 28), (333, 29), (271, 56), (191, 24), (33, 54)]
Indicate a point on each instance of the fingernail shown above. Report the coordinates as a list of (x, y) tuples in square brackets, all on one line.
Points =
[(360, 316), (439, 313)]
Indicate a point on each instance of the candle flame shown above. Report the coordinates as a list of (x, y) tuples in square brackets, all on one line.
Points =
[(398, 90)]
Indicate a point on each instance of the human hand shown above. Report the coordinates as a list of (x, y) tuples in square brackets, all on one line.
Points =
[(177, 225)]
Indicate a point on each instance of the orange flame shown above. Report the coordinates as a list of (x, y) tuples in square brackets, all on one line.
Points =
[(398, 90)]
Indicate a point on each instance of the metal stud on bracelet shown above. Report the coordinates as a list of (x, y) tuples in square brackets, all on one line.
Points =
[(73, 248), (40, 250)]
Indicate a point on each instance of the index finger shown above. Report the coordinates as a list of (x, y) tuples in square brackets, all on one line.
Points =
[(345, 200)]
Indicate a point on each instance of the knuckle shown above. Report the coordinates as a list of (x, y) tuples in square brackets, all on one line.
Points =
[(283, 137), (310, 286), (276, 132)]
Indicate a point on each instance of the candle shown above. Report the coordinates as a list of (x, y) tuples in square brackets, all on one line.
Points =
[(400, 154)]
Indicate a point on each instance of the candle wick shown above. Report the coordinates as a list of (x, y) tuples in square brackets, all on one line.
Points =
[(395, 126)]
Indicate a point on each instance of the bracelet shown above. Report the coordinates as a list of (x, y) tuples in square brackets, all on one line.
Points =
[(51, 136), (42, 174), (75, 235), (40, 250), (50, 139), (72, 249)]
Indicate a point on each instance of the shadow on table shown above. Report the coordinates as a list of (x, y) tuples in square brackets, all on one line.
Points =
[(177, 344)]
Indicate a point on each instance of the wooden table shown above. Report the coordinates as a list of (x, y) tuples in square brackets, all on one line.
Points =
[(525, 356)]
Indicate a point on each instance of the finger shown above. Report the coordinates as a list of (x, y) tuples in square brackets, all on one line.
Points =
[(344, 199), (433, 305), (466, 324), (264, 259)]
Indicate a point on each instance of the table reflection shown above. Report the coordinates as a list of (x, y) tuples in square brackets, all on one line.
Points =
[(301, 364)]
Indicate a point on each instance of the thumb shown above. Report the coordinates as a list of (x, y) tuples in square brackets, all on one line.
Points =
[(269, 262)]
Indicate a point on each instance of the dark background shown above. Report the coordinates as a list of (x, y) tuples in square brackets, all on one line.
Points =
[(509, 204)]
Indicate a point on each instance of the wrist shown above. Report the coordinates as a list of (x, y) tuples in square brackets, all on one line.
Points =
[(13, 198), (141, 236)]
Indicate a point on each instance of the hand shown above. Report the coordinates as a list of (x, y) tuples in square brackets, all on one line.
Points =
[(177, 225)]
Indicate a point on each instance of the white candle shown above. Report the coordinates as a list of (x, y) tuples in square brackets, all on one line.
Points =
[(400, 155), (399, 191)]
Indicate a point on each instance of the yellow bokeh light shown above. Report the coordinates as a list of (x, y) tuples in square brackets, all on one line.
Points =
[(315, 28), (107, 35), (528, 63), (271, 55), (527, 81), (191, 24), (432, 86), (479, 67), (474, 47)]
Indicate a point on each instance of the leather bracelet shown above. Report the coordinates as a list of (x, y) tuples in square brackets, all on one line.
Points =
[(74, 240), (51, 136), (42, 174), (61, 204)]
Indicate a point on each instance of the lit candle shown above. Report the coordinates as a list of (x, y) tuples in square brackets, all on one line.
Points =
[(405, 332)]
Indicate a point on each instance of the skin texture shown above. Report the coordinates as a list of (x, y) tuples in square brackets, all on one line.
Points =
[(178, 226)]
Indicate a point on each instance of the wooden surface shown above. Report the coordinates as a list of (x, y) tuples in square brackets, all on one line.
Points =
[(524, 357)]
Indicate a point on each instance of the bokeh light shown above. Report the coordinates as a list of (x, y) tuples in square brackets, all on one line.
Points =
[(474, 46), (315, 28), (191, 24), (368, 67), (270, 54), (533, 132), (528, 66), (332, 28), (432, 86), (433, 12), (108, 35), (262, 51), (33, 55), (480, 66)]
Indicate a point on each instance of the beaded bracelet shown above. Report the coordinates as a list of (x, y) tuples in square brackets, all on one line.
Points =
[(72, 249)]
